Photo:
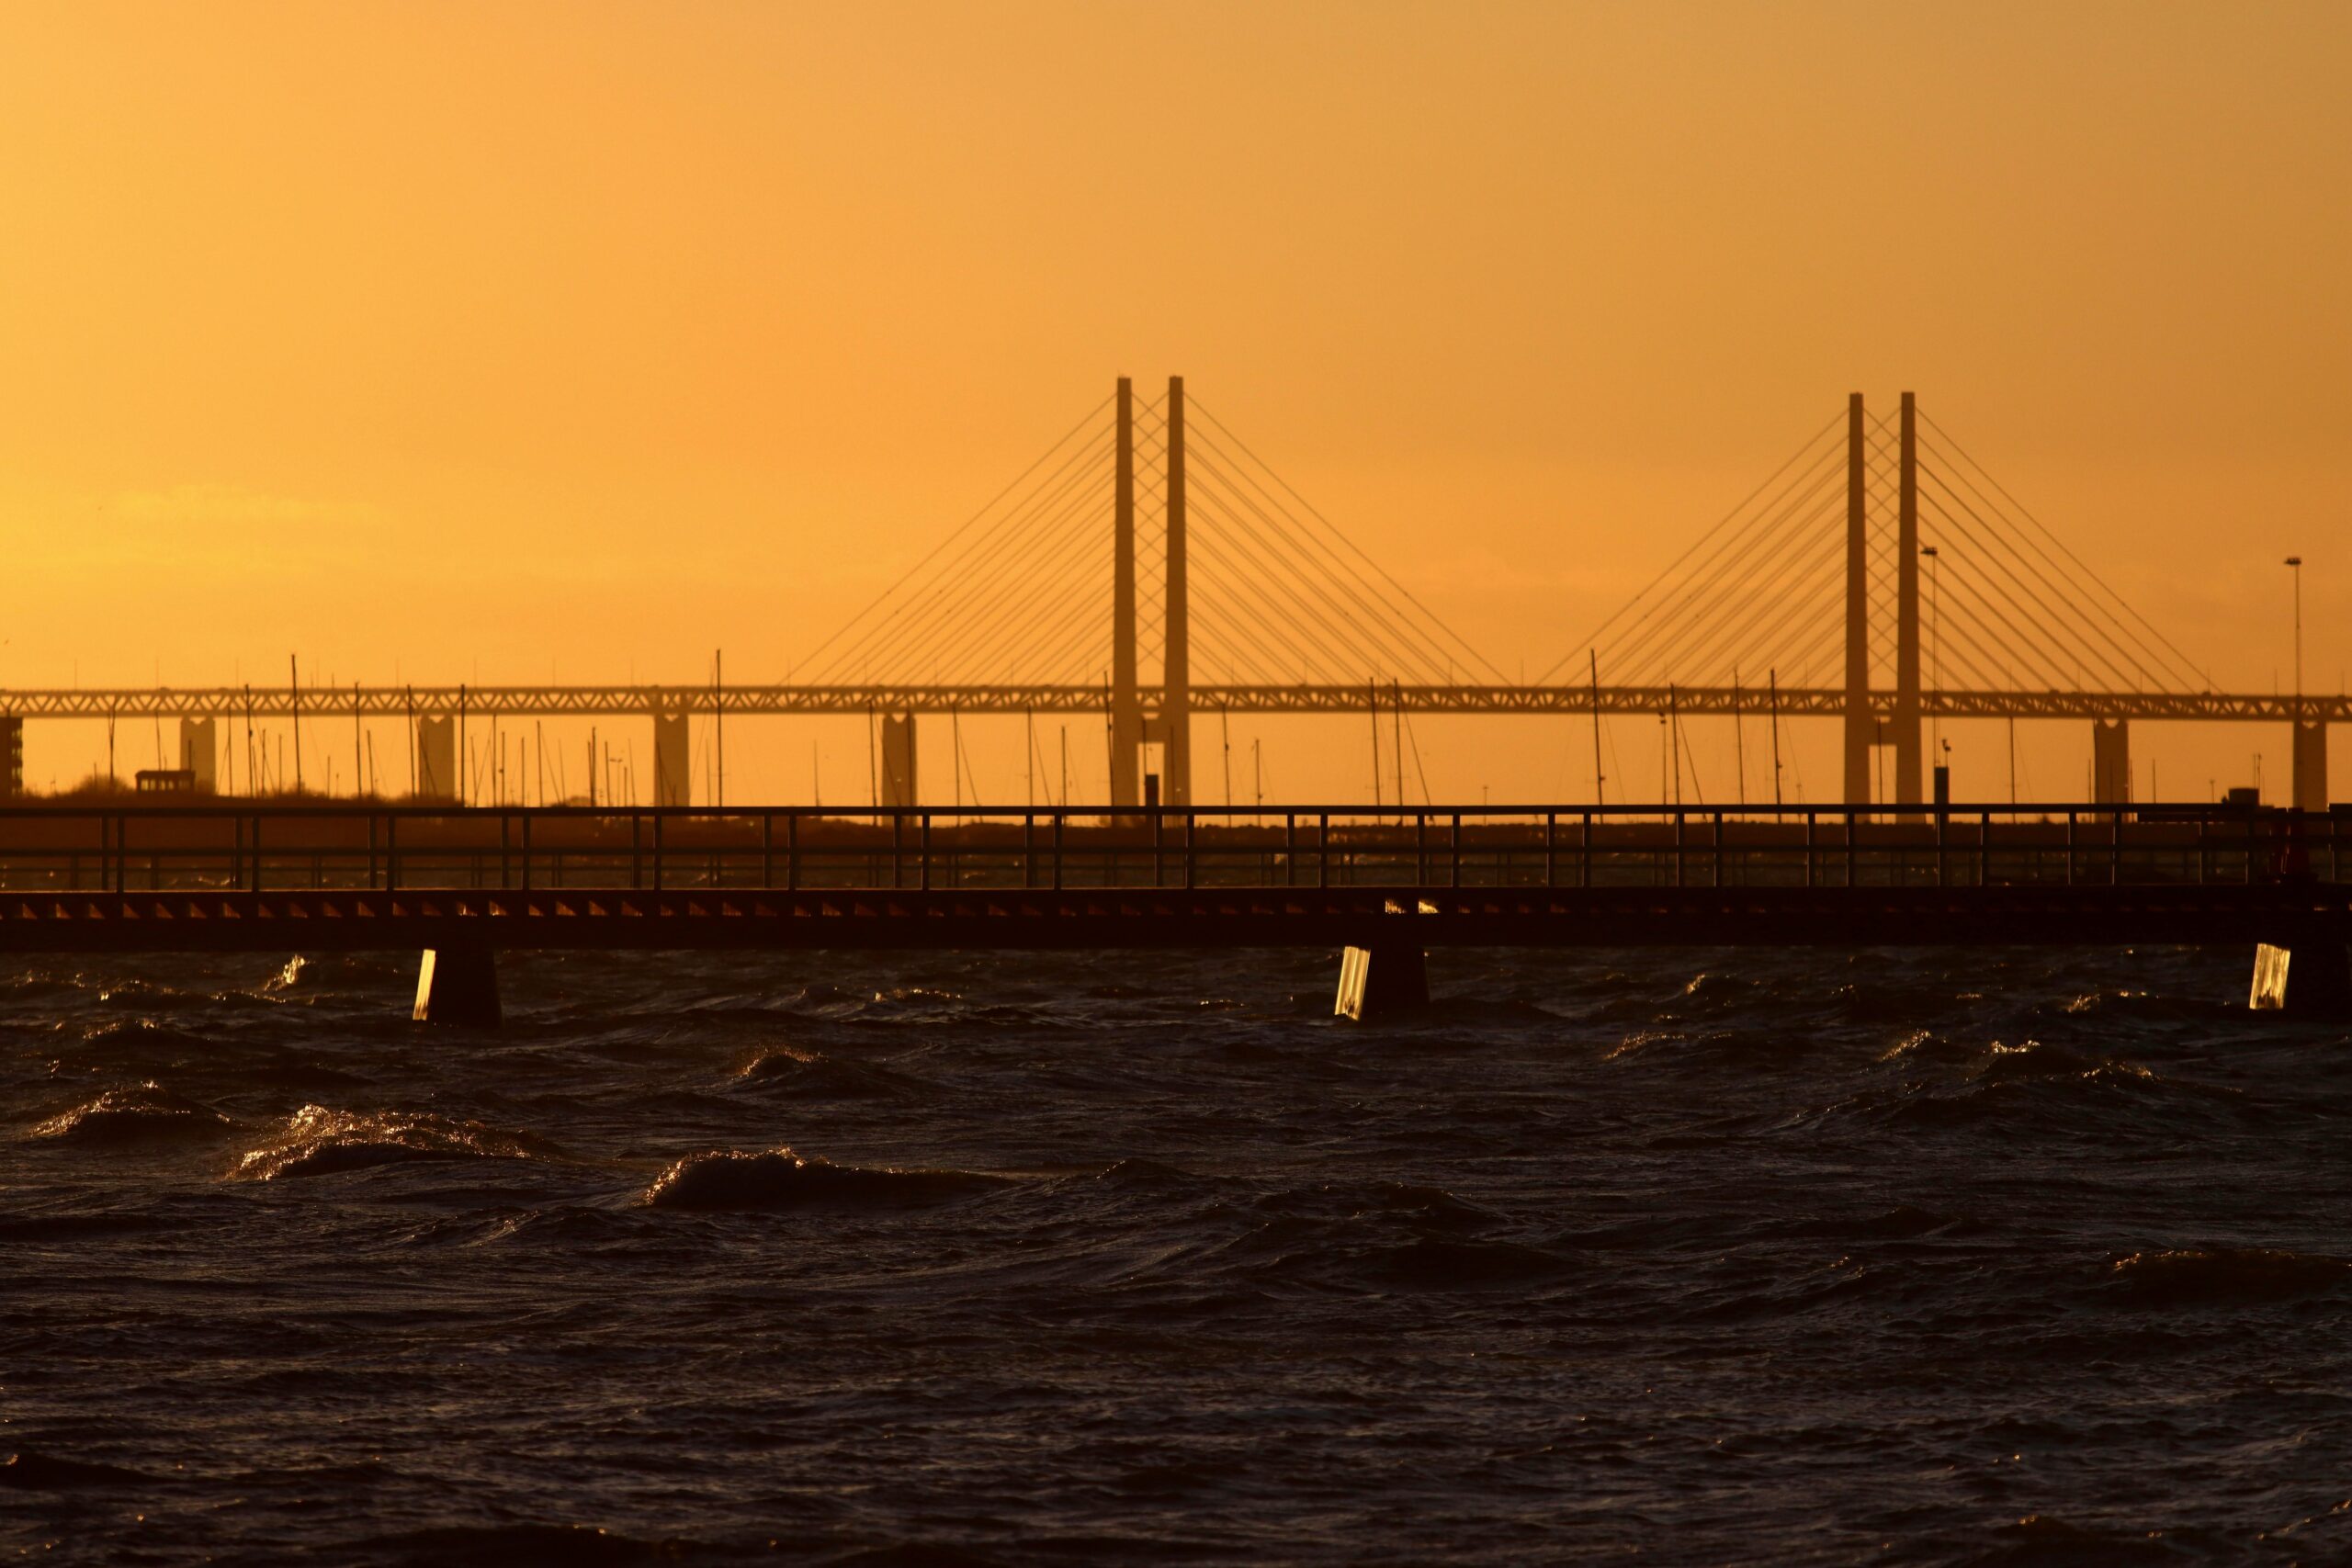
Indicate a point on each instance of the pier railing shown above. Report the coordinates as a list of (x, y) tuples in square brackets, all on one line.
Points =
[(229, 846)]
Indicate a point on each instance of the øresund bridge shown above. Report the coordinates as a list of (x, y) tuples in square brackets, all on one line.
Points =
[(1151, 571), (1150, 517)]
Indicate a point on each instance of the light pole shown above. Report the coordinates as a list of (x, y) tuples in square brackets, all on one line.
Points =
[(2295, 563)]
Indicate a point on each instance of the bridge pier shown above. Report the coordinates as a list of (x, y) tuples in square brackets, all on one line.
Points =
[(1383, 981), (2311, 766), (672, 757), (2110, 762), (899, 779), (457, 985), (200, 753), (2308, 974), (436, 757)]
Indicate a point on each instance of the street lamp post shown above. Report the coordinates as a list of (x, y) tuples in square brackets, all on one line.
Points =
[(2295, 563)]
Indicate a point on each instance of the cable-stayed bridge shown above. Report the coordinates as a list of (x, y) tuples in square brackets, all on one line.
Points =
[(1150, 567)]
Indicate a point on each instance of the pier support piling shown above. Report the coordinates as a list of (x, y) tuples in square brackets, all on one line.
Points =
[(2305, 973), (457, 985), (1382, 981)]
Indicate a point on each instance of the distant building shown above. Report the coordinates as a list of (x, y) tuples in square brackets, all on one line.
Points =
[(165, 780)]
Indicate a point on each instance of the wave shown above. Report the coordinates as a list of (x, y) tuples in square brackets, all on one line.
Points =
[(779, 1179), (2226, 1277), (148, 1114), (141, 1035), (318, 1141), (818, 1076)]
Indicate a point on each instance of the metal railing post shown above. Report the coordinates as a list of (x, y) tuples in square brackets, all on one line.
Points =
[(923, 871), (1191, 870), (1550, 849), (1323, 850), (1853, 848), (391, 854), (1058, 851), (526, 851), (636, 850), (2070, 849), (1719, 849), (1454, 849), (2115, 849), (791, 854)]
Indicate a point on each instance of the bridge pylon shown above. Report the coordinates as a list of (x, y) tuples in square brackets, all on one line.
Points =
[(1862, 725), (1125, 702), (1907, 760)]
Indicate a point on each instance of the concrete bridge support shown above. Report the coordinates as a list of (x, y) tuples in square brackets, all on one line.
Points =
[(672, 757), (458, 985), (200, 753), (1387, 980), (436, 758), (2110, 761), (899, 779), (2310, 767)]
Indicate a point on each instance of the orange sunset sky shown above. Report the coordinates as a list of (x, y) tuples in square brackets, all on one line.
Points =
[(502, 342)]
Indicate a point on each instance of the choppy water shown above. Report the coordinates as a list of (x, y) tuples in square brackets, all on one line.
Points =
[(1943, 1258)]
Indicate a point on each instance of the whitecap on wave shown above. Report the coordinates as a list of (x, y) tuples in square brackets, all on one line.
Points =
[(317, 1140), (779, 1179)]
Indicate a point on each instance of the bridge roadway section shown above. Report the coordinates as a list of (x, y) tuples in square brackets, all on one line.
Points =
[(628, 700), (463, 883)]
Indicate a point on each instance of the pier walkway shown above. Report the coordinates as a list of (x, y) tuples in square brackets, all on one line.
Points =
[(463, 884)]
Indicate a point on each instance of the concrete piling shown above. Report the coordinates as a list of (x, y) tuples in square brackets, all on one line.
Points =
[(458, 985), (2306, 974), (1383, 981)]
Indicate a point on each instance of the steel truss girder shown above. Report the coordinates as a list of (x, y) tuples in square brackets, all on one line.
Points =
[(626, 700)]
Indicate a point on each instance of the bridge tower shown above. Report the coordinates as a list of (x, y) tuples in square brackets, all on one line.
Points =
[(1907, 772), (1173, 727), (1861, 724), (1125, 702)]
